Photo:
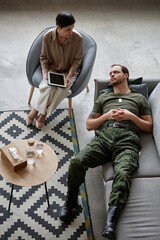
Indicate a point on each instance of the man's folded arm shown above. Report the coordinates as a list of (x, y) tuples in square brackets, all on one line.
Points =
[(144, 123), (95, 120)]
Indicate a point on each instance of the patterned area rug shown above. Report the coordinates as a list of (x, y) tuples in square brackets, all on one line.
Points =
[(30, 217)]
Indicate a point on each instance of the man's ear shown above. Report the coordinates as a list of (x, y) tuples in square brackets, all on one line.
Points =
[(58, 27), (126, 75)]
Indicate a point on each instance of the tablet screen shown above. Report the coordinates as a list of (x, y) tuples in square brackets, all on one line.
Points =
[(56, 79)]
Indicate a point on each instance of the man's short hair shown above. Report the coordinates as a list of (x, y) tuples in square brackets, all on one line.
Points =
[(123, 68), (64, 19)]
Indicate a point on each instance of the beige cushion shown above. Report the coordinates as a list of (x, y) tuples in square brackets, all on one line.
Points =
[(155, 106)]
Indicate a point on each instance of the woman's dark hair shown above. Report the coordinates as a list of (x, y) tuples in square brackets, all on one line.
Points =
[(124, 69), (64, 19)]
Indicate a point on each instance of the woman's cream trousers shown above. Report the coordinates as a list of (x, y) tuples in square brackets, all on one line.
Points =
[(51, 96)]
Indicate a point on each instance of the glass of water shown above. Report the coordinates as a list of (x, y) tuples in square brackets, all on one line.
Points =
[(30, 151), (39, 150)]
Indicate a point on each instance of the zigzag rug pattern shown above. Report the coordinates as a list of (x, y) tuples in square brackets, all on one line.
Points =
[(30, 217)]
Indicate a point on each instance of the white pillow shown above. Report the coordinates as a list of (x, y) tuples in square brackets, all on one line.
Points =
[(154, 100)]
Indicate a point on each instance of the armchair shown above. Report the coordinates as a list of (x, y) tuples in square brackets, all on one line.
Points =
[(34, 71)]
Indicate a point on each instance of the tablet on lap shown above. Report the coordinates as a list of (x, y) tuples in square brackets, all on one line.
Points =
[(56, 79)]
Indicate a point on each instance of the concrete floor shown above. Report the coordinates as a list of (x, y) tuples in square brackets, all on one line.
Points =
[(126, 32)]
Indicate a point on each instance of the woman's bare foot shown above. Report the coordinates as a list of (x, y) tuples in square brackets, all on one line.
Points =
[(32, 114), (40, 120), (30, 117)]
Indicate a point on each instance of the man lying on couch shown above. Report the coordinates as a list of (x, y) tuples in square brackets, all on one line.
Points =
[(117, 116)]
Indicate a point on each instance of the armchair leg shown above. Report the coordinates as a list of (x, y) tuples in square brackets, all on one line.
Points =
[(87, 88), (70, 104), (70, 107), (30, 95)]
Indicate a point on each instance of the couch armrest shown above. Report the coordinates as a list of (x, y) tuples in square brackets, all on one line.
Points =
[(152, 83), (154, 100)]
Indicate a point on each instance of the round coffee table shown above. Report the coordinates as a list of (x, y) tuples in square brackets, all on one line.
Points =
[(32, 175)]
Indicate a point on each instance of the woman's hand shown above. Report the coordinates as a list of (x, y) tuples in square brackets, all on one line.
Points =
[(68, 81), (45, 73)]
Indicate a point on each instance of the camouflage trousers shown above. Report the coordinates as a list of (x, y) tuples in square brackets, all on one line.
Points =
[(118, 145)]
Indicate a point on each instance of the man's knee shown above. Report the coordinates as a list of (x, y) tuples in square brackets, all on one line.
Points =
[(126, 162), (76, 173), (76, 165)]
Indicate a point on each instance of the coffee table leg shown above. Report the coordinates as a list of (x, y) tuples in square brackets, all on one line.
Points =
[(10, 197), (47, 197)]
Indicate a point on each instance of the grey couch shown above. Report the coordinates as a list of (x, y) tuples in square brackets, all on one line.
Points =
[(140, 219)]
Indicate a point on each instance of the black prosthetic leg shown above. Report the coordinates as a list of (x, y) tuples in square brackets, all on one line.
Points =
[(66, 212), (109, 230)]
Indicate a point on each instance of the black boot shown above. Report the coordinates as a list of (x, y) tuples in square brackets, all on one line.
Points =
[(66, 212), (109, 230)]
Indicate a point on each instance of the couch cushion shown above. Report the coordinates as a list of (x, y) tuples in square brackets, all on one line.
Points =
[(141, 88), (130, 81), (140, 217), (135, 80), (154, 100), (149, 162)]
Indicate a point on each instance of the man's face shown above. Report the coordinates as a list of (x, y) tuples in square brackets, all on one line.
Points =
[(117, 76), (66, 32)]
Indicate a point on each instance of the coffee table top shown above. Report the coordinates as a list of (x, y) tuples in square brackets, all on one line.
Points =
[(40, 172)]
